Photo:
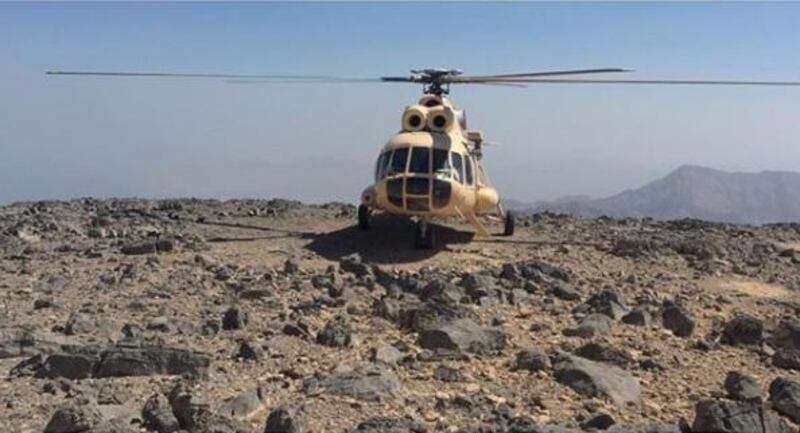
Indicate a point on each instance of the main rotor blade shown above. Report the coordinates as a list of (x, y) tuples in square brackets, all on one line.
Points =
[(190, 75), (469, 78), (305, 81), (656, 82)]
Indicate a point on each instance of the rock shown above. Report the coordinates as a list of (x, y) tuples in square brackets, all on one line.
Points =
[(608, 302), (604, 353), (788, 359), (448, 374), (74, 419), (743, 330), (592, 325), (726, 416), (742, 387), (784, 395), (195, 415), (593, 379), (566, 292), (157, 415), (352, 263), (139, 247), (787, 335), (81, 362), (373, 385), (234, 318), (249, 350), (677, 319), (600, 421), (148, 361), (286, 420), (244, 405), (336, 333), (80, 323), (532, 360), (462, 335), (385, 354), (17, 342), (161, 323), (390, 425), (640, 316), (291, 267)]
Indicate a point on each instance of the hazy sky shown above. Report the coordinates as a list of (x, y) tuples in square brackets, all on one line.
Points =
[(64, 137)]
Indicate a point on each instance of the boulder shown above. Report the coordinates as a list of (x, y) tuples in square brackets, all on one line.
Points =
[(594, 379), (609, 302), (591, 326), (234, 318), (784, 395), (602, 352), (788, 359), (462, 335), (743, 330), (244, 405), (81, 362), (389, 425), (157, 415), (286, 420), (727, 416), (385, 354), (373, 385), (677, 319), (336, 333), (74, 419), (640, 316), (532, 360), (742, 387), (787, 335)]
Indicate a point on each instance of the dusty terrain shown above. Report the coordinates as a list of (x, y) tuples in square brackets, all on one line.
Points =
[(276, 316)]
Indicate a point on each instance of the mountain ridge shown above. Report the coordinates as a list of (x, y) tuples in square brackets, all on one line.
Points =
[(694, 191)]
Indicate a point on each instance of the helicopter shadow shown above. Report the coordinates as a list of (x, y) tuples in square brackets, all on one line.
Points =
[(390, 239)]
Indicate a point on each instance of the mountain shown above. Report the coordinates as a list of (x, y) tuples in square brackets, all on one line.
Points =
[(698, 192)]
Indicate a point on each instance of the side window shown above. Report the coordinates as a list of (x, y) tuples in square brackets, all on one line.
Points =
[(398, 161), (468, 169), (380, 167), (420, 160), (458, 166)]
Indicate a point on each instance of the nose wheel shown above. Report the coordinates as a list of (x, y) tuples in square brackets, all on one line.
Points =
[(424, 235), (363, 217)]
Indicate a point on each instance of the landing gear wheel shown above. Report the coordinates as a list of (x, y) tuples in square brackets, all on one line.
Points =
[(510, 220), (424, 236), (363, 217)]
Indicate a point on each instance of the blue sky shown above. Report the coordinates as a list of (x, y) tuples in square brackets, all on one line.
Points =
[(64, 137)]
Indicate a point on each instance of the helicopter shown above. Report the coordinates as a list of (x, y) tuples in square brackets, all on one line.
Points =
[(433, 167)]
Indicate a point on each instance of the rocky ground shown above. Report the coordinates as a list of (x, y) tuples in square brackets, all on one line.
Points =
[(274, 316)]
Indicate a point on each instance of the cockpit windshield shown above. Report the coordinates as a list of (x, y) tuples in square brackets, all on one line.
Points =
[(420, 160), (398, 161)]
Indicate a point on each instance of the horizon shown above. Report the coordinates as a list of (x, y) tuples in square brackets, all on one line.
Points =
[(72, 137)]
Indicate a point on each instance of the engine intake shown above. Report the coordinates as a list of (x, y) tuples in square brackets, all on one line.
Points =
[(415, 118), (441, 119)]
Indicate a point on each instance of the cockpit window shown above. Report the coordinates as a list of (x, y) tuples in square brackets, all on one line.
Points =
[(458, 167), (468, 169), (382, 165), (420, 160), (398, 161), (441, 163)]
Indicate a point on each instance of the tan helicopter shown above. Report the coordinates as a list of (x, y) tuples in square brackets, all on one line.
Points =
[(433, 167)]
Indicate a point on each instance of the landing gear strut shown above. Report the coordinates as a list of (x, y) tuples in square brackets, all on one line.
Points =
[(424, 235), (509, 226), (363, 217)]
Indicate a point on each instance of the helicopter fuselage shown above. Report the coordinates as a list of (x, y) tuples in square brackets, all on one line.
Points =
[(428, 174)]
